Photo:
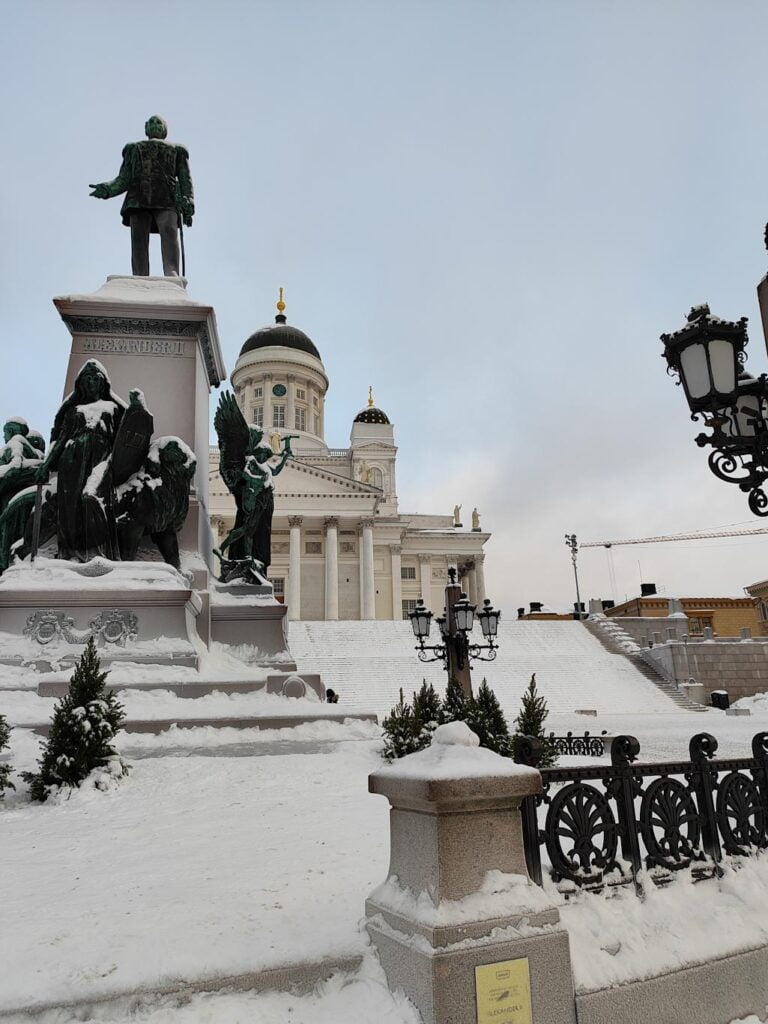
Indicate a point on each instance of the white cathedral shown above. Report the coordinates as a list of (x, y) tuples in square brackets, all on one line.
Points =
[(341, 549)]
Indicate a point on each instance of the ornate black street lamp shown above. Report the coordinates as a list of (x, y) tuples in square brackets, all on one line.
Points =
[(707, 355), (455, 623)]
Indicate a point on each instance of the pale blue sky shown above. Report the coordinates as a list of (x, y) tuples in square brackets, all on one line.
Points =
[(488, 210)]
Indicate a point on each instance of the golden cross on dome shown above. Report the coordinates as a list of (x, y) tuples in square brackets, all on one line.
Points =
[(280, 303)]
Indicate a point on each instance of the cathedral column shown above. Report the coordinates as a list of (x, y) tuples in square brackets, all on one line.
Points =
[(332, 568), (311, 410), (471, 578), (290, 412), (397, 582), (425, 579), (480, 578), (267, 403), (294, 568), (368, 601)]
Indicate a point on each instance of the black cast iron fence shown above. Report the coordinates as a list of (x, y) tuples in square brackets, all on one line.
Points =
[(578, 746), (662, 817)]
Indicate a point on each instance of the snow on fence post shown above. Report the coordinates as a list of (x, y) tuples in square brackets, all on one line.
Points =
[(458, 924)]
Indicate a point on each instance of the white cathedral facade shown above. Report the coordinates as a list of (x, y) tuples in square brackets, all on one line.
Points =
[(341, 548)]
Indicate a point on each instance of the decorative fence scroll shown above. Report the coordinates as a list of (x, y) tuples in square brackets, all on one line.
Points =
[(578, 746), (603, 825)]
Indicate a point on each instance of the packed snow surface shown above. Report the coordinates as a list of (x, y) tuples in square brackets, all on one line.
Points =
[(344, 998), (193, 868), (201, 867)]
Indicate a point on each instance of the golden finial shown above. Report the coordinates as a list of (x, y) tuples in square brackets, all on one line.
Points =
[(370, 396), (280, 303)]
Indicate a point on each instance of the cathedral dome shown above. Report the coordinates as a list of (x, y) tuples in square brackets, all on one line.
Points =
[(371, 414), (280, 334)]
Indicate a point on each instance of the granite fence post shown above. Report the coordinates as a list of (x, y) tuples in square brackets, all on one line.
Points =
[(458, 924)]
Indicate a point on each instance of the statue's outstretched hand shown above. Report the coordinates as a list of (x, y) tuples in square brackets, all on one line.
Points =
[(100, 191)]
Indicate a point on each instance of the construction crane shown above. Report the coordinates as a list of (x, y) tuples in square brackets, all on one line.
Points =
[(665, 539)]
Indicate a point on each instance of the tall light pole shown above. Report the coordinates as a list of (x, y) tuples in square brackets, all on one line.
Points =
[(573, 544), (456, 622)]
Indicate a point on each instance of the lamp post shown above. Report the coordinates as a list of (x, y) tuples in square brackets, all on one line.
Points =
[(456, 622), (573, 544), (707, 356)]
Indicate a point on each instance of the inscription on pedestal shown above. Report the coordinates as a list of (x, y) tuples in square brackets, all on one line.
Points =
[(503, 992), (138, 346)]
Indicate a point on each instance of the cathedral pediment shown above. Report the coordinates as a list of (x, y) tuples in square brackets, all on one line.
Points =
[(298, 478), (378, 445)]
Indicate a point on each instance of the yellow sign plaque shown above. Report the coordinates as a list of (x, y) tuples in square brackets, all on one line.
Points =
[(503, 993)]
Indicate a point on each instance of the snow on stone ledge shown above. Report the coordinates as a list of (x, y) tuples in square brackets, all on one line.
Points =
[(98, 574), (500, 895), (454, 754), (145, 290)]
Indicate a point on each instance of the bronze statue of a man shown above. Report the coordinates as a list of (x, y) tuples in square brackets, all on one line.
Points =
[(155, 178)]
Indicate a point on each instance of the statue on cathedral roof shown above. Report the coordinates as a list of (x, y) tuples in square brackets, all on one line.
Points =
[(248, 466), (159, 197)]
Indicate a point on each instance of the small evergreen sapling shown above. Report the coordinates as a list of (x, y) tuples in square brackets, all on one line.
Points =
[(530, 721), (427, 710), (401, 734), (486, 718), (409, 728), (456, 704), (5, 769), (84, 724)]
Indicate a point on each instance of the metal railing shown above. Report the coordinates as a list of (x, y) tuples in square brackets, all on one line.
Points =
[(578, 746), (662, 817)]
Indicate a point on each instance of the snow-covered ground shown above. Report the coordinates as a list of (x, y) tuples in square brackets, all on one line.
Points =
[(199, 867), (193, 867), (368, 662), (345, 998)]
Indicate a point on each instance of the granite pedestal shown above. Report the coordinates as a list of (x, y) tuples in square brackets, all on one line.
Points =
[(149, 334), (141, 612), (458, 908)]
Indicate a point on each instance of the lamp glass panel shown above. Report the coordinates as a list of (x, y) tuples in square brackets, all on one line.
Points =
[(722, 358), (693, 363), (425, 620), (464, 617), (748, 415), (489, 620)]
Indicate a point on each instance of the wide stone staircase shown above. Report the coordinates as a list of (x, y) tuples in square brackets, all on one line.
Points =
[(611, 642)]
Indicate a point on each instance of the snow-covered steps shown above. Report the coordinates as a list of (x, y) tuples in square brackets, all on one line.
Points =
[(367, 663), (617, 641), (158, 710), (262, 722), (190, 689), (300, 979)]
